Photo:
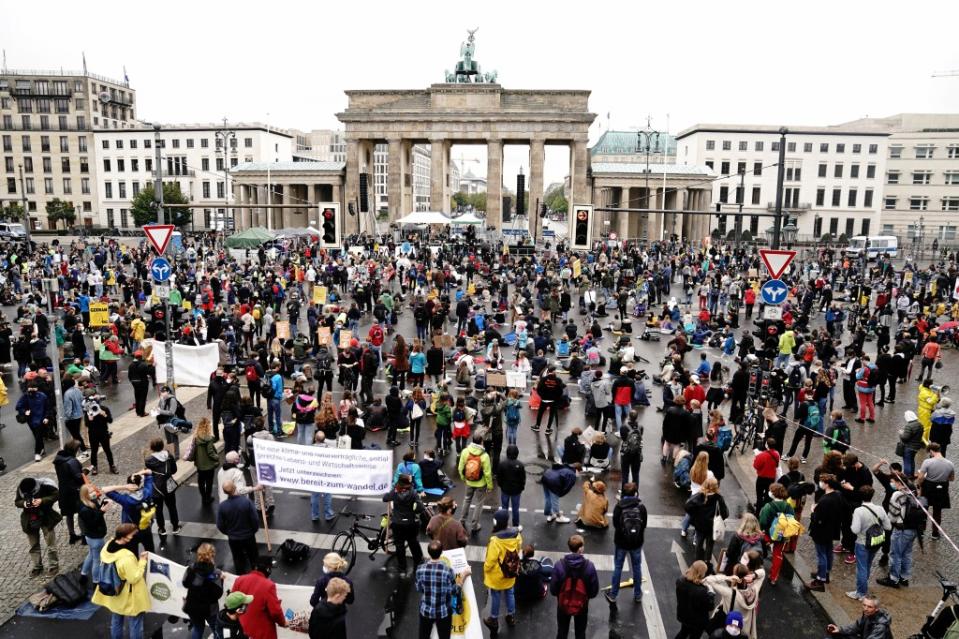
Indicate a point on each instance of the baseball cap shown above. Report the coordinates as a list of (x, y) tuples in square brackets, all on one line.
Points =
[(236, 599), (735, 619)]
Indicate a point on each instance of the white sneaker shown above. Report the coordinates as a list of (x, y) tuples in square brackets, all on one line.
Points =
[(36, 458), (83, 455), (549, 518), (852, 594), (563, 519), (519, 528)]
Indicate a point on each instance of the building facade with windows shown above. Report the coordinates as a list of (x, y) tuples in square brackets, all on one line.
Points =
[(193, 156), (48, 120), (920, 199), (833, 176)]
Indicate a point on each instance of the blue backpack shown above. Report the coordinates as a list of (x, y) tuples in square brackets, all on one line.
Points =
[(512, 413), (108, 579)]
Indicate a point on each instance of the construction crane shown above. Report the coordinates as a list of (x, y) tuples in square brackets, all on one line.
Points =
[(952, 73)]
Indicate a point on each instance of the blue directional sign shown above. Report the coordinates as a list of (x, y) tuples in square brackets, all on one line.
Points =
[(160, 269), (774, 292)]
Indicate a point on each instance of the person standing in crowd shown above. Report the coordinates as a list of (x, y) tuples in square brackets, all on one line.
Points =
[(935, 474), (406, 511), (500, 569), (140, 374), (557, 482), (631, 448), (163, 467), (445, 528), (910, 442), (206, 458), (69, 480), (32, 410), (908, 517), (136, 499), (228, 619), (825, 526), (133, 600), (702, 509), (775, 506), (98, 419), (694, 601), (869, 523), (766, 464), (511, 478), (328, 619), (204, 587), (629, 526), (238, 520), (73, 414), (264, 611), (943, 419), (573, 582), (36, 499), (476, 470), (436, 582), (93, 526), (334, 567)]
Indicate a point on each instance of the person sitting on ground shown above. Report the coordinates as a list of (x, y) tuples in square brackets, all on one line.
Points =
[(574, 452), (592, 512), (599, 453), (532, 583), (875, 623)]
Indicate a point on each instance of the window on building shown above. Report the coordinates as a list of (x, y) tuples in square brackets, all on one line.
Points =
[(724, 194), (11, 185), (67, 186), (119, 144), (950, 204), (136, 188), (84, 165), (952, 151), (64, 144), (921, 177), (867, 198), (889, 202), (123, 218), (758, 145), (895, 151), (204, 143), (791, 147), (756, 194), (44, 143), (873, 149), (823, 167), (924, 151), (857, 148), (206, 190), (176, 143), (951, 177), (47, 165), (850, 226), (26, 143), (85, 186), (105, 143), (133, 143), (871, 171), (219, 164), (205, 164), (121, 165), (837, 170), (757, 168), (807, 147), (840, 148), (7, 143), (87, 207), (892, 177), (248, 143), (754, 225), (111, 222), (25, 122), (724, 168), (122, 190), (48, 186), (739, 195), (854, 171), (918, 203), (28, 165), (774, 146), (864, 227), (820, 197), (851, 201), (837, 197), (727, 145), (8, 164), (148, 165), (219, 189), (29, 186), (82, 143), (817, 227), (233, 161), (147, 143), (106, 165), (134, 165), (740, 167)]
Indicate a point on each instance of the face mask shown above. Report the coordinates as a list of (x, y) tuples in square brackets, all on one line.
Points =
[(326, 570), (771, 496), (822, 485), (733, 631)]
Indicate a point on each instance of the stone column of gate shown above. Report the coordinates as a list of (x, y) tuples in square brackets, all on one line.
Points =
[(282, 220), (245, 214), (578, 191), (705, 203), (351, 223), (439, 148), (494, 183), (623, 226), (395, 179), (537, 158)]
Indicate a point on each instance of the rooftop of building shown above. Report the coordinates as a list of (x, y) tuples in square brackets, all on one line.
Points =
[(65, 74), (654, 169), (142, 127), (303, 167), (774, 129), (908, 123), (629, 143)]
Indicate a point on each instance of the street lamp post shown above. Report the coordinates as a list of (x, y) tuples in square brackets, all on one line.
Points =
[(650, 137), (780, 177), (226, 137), (26, 211)]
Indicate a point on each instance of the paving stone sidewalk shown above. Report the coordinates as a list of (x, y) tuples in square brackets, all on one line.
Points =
[(16, 584)]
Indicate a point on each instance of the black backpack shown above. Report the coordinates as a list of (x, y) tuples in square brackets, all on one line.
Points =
[(633, 525), (633, 444), (914, 515), (67, 589), (293, 552), (266, 388)]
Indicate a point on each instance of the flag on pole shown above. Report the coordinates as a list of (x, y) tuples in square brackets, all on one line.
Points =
[(125, 77), (84, 62)]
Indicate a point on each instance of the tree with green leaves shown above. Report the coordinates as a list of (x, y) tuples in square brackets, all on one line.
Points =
[(459, 199), (555, 200), (144, 208), (58, 210), (12, 212), (477, 200)]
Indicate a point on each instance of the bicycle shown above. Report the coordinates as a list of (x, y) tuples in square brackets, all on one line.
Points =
[(344, 544), (943, 617)]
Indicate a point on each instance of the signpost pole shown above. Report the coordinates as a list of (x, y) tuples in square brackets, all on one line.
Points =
[(50, 286), (161, 217)]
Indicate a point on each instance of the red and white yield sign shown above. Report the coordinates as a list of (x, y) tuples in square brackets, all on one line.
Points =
[(776, 261), (159, 236)]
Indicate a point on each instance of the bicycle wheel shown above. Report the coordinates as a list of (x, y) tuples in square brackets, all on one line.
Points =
[(345, 546)]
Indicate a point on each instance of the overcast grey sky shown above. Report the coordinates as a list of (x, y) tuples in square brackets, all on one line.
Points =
[(811, 62)]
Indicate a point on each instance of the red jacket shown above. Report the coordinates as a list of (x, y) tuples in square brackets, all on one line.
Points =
[(694, 391), (766, 464), (265, 611)]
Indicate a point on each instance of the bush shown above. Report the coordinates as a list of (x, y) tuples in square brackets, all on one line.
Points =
[(715, 234), (747, 236), (731, 235), (826, 238), (842, 239)]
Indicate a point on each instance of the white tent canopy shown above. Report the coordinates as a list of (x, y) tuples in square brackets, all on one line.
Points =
[(466, 218), (424, 217)]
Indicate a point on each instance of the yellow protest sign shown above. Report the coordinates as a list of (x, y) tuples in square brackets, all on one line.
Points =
[(323, 336), (345, 337), (283, 329), (99, 314), (319, 295), (187, 306)]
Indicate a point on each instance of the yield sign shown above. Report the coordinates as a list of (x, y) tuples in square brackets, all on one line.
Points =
[(159, 236), (776, 261)]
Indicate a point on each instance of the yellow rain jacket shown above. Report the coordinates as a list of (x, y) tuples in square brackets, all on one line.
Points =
[(134, 598)]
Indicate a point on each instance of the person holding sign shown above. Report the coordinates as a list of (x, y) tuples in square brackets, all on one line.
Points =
[(437, 583)]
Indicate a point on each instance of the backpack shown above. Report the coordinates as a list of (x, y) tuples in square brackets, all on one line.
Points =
[(812, 417), (632, 525), (510, 564), (180, 411), (875, 534), (293, 551), (914, 515), (251, 375), (633, 446), (724, 439), (266, 389), (512, 413), (108, 579), (147, 512), (67, 589), (785, 526), (573, 597), (473, 469)]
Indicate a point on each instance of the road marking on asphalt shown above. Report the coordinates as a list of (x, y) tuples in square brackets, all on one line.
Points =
[(651, 611)]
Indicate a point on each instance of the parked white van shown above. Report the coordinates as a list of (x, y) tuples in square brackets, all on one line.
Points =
[(877, 244)]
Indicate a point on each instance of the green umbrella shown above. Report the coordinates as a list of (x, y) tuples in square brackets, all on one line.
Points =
[(250, 238)]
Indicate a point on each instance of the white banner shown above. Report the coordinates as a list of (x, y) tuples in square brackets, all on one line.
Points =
[(167, 594), (192, 365), (320, 469), (466, 625)]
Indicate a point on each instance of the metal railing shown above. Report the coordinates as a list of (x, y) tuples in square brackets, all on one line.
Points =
[(803, 206), (53, 129), (61, 72)]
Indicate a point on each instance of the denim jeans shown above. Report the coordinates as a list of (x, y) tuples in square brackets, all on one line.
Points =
[(136, 626), (824, 561), (900, 555), (274, 419), (636, 559), (864, 558), (622, 414), (92, 561), (909, 462), (327, 506), (551, 502), (494, 597), (197, 626), (304, 434), (506, 501)]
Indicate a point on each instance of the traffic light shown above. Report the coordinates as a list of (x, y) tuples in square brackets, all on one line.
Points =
[(330, 229), (364, 192), (582, 226)]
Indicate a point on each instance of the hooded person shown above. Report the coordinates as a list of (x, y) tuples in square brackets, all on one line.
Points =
[(910, 442), (501, 567), (942, 420)]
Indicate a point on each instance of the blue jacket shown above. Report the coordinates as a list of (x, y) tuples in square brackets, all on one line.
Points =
[(73, 403), (412, 469), (559, 479), (236, 518), (36, 403), (130, 502), (277, 383), (578, 564)]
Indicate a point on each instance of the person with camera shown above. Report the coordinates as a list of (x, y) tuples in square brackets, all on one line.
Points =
[(136, 502), (98, 419), (36, 499)]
